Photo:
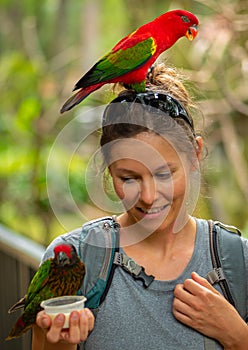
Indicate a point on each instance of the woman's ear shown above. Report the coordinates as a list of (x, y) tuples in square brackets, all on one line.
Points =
[(199, 148), (110, 172)]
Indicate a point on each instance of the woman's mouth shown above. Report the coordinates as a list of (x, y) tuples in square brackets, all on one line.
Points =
[(152, 211)]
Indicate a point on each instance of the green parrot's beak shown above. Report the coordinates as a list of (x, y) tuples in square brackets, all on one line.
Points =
[(191, 33), (63, 259)]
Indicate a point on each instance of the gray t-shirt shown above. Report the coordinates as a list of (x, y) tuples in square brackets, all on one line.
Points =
[(134, 317)]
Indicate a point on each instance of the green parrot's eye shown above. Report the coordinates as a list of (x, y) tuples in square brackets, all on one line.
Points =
[(185, 19)]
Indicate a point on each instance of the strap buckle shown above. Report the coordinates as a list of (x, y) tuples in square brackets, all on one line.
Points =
[(130, 266), (215, 276)]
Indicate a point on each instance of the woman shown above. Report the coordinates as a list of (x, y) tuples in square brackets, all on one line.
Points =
[(151, 150)]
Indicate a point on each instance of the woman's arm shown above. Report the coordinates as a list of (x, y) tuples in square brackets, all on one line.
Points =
[(47, 334), (200, 306)]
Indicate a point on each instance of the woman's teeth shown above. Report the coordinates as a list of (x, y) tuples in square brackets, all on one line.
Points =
[(153, 210)]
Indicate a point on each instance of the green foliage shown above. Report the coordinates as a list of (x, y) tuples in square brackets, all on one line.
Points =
[(45, 48)]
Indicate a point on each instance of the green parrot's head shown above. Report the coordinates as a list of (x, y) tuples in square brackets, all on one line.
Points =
[(65, 254)]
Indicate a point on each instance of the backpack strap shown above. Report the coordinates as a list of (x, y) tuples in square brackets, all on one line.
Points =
[(99, 241), (228, 268), (99, 249), (228, 264)]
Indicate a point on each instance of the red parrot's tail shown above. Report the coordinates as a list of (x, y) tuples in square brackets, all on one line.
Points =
[(18, 329), (79, 96)]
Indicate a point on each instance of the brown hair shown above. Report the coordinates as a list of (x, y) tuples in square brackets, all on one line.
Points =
[(125, 120)]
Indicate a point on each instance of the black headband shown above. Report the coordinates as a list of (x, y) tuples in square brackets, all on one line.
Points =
[(156, 100)]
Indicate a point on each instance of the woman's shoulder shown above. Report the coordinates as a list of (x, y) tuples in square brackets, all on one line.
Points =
[(71, 237), (76, 236), (244, 241), (208, 224)]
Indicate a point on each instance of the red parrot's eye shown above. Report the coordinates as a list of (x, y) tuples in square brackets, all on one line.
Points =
[(185, 19)]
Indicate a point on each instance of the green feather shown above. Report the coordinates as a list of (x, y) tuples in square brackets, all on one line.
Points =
[(137, 87), (39, 280), (117, 63)]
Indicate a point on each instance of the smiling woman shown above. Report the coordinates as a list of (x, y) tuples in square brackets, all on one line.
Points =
[(149, 144), (150, 148)]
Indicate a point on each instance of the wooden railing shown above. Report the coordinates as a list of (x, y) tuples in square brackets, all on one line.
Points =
[(19, 260)]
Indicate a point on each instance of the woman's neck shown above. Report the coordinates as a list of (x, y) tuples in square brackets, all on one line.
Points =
[(161, 238), (164, 254)]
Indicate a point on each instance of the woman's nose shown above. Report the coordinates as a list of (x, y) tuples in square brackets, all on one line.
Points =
[(147, 191)]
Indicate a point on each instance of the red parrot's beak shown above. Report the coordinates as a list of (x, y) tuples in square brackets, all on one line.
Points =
[(191, 33)]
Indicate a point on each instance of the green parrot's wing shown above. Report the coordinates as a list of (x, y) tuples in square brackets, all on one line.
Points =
[(120, 61), (39, 281)]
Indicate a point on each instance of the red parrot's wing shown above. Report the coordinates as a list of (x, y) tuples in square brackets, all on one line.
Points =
[(128, 55)]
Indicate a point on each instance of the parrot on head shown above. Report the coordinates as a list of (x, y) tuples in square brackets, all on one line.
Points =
[(61, 275), (130, 59)]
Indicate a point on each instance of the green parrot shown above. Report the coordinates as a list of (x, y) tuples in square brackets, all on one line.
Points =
[(61, 275)]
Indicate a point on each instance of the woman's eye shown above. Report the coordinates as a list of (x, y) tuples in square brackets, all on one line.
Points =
[(163, 176), (127, 179)]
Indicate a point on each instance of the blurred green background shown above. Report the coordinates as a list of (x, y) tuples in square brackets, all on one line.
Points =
[(45, 48)]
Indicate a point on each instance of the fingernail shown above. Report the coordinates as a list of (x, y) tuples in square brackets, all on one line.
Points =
[(74, 316), (60, 318), (45, 322)]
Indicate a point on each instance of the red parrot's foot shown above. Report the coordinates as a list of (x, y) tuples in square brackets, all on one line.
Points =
[(137, 87)]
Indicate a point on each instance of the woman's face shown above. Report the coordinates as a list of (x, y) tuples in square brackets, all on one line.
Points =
[(150, 177)]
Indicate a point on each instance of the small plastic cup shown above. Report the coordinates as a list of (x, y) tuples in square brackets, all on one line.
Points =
[(63, 305)]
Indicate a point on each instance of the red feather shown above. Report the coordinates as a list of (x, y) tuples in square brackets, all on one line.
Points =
[(65, 248)]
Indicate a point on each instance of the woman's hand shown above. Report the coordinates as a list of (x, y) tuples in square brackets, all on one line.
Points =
[(80, 324), (200, 306)]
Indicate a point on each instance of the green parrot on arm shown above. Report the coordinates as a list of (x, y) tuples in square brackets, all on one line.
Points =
[(61, 275)]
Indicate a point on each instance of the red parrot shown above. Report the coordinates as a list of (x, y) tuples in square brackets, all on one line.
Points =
[(61, 275), (130, 59)]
